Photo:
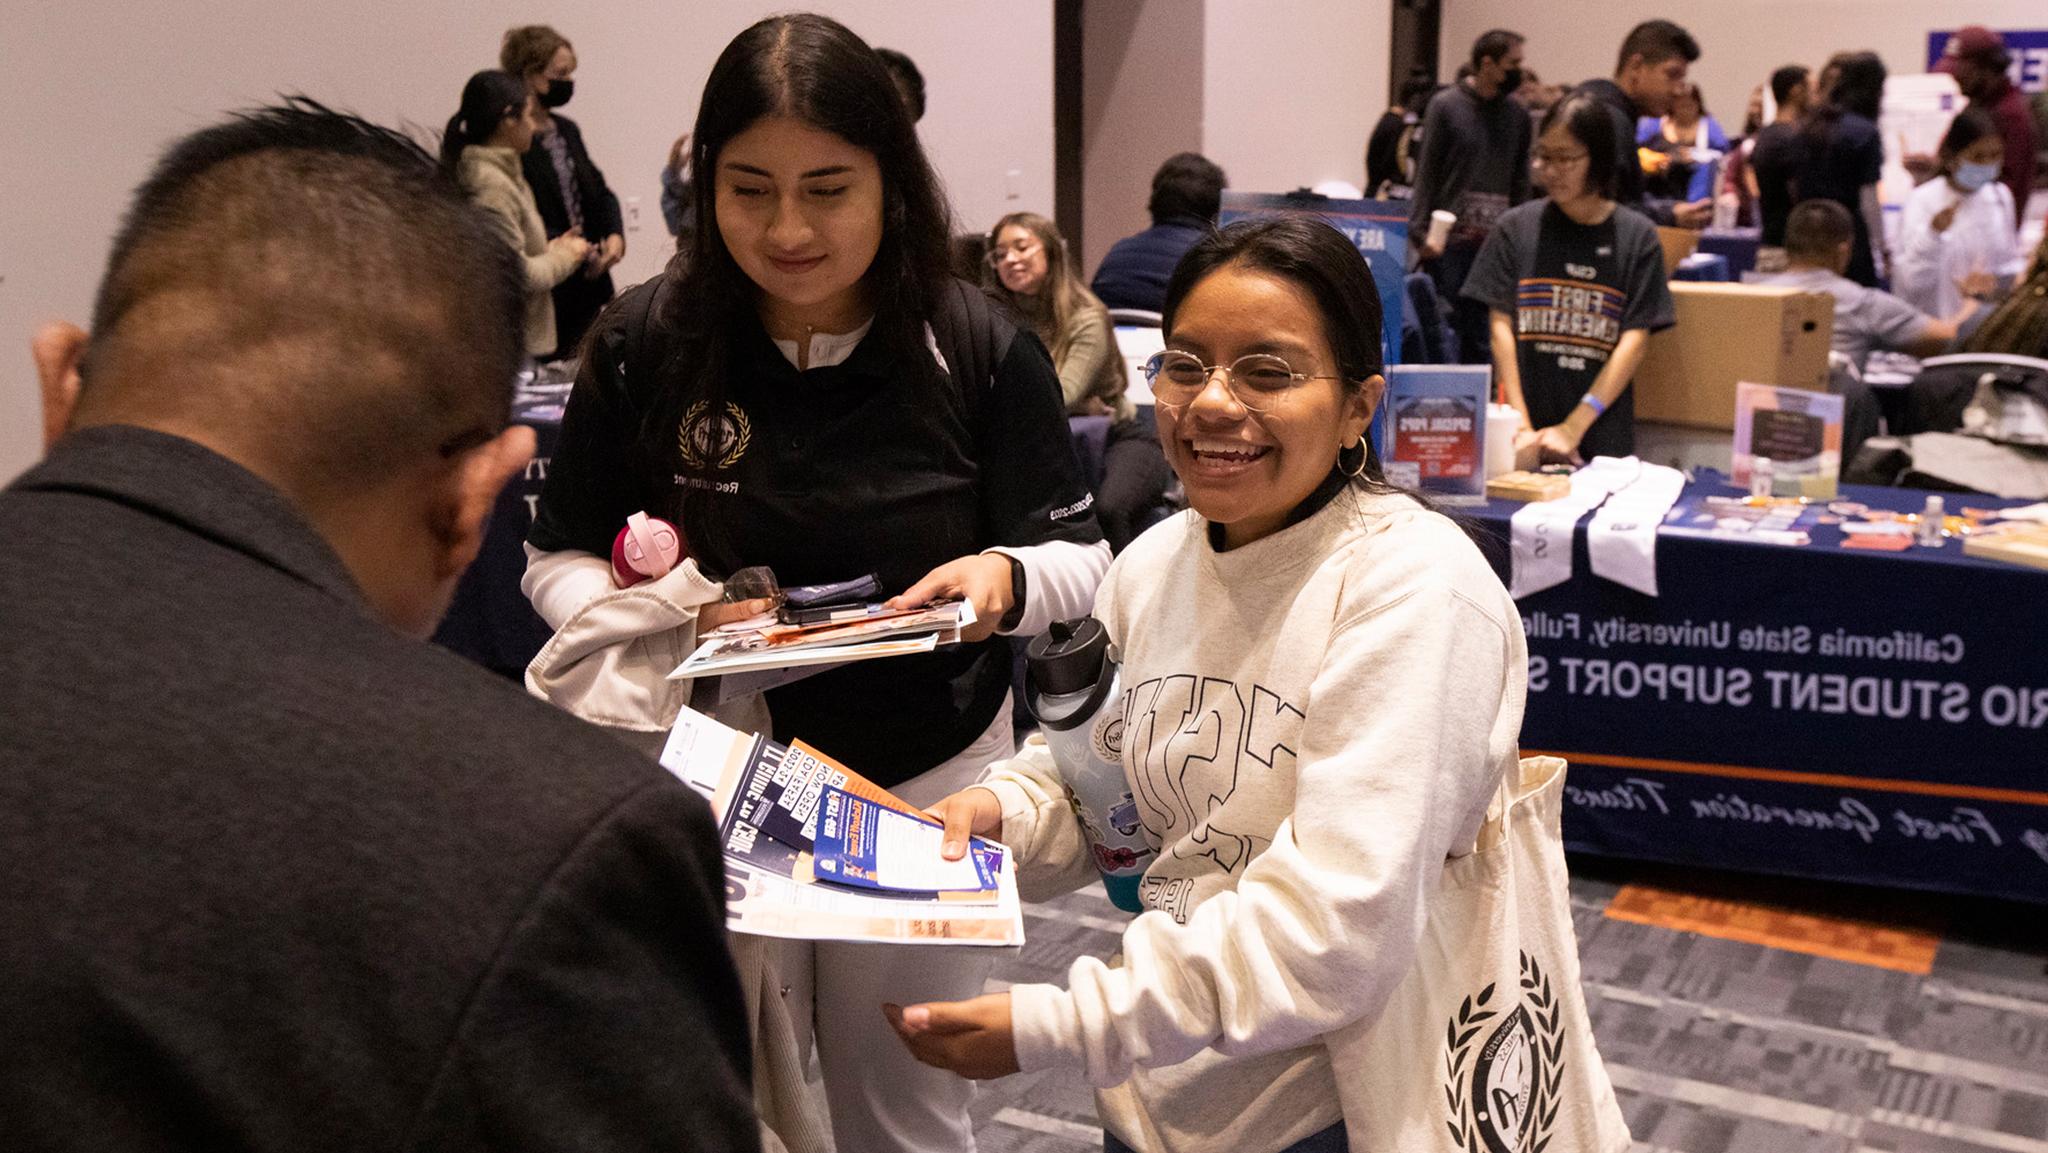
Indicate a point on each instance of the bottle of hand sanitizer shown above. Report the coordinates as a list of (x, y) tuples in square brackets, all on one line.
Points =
[(1928, 531)]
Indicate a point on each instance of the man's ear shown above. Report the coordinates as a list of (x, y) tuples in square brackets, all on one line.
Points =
[(58, 350), (477, 478)]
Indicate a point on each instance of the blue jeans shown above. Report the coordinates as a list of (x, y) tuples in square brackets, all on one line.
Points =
[(1331, 1140)]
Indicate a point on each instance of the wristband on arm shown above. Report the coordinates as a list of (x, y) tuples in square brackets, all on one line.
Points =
[(1595, 403), (1015, 616)]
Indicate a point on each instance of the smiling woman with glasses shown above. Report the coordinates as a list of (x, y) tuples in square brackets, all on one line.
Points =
[(1325, 683), (1574, 285)]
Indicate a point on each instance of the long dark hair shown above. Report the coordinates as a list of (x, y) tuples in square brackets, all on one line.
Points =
[(1858, 88), (812, 69), (1306, 252), (488, 98), (1590, 123)]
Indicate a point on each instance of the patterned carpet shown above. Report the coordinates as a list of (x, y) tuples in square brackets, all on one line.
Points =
[(1734, 1014)]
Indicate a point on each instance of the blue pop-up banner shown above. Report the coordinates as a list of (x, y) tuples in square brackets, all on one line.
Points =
[(2028, 47)]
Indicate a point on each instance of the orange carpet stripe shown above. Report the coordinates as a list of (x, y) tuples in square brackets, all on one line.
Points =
[(1837, 938), (1788, 776)]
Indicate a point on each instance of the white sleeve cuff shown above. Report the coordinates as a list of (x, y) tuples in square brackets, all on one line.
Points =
[(561, 583), (1060, 579), (1045, 1027)]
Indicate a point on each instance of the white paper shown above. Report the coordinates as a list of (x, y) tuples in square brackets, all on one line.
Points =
[(777, 904), (1622, 540), (698, 751)]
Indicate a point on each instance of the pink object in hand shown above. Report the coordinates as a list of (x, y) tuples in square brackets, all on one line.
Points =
[(648, 548)]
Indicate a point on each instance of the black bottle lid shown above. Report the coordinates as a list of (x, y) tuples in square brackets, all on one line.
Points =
[(1067, 657)]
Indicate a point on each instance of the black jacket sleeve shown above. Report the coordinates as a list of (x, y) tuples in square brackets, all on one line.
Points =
[(612, 1018), (1031, 486)]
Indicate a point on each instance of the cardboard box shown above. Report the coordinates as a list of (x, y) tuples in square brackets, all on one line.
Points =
[(1678, 243), (1727, 334)]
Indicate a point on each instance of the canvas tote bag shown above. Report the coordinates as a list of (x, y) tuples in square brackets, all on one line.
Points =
[(1485, 1046)]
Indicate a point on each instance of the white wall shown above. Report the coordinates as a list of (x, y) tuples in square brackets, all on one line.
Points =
[(1741, 41), (1291, 89), (95, 88), (1141, 103)]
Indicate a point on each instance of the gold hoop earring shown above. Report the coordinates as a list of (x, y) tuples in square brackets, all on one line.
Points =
[(1359, 470)]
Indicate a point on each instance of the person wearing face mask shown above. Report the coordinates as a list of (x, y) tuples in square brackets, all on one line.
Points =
[(810, 390), (1029, 269), (1574, 284), (1475, 165), (571, 192), (1956, 235), (480, 149)]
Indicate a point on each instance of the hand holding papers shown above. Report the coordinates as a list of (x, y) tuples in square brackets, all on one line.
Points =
[(856, 634), (769, 800)]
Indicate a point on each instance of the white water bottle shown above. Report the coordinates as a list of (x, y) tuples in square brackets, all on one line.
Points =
[(1072, 687)]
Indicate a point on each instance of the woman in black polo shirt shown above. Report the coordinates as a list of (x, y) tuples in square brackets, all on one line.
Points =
[(813, 392)]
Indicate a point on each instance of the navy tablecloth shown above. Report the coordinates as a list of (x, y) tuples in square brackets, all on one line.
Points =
[(490, 621), (1814, 711), (1738, 245)]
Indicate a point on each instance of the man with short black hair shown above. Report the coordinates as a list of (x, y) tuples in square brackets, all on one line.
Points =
[(1780, 150), (280, 876), (1187, 192), (1818, 237), (1649, 74), (1474, 165)]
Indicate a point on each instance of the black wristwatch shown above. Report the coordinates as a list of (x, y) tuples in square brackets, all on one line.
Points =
[(1015, 616)]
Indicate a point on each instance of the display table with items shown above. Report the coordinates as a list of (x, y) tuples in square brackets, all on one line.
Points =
[(1822, 689)]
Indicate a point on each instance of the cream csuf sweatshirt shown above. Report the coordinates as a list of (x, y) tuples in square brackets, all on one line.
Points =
[(1313, 723)]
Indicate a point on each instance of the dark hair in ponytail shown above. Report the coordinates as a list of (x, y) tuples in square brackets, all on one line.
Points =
[(815, 70), (488, 98)]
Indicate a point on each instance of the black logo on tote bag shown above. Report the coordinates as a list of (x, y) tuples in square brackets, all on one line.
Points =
[(1503, 1065)]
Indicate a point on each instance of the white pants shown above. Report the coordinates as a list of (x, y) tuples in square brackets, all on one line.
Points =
[(882, 1100)]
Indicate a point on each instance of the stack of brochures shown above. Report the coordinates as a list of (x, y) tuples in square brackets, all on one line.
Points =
[(815, 851), (856, 633)]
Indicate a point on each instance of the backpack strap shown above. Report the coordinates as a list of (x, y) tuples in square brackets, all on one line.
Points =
[(635, 312), (969, 340)]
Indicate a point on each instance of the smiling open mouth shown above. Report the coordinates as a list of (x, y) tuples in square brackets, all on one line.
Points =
[(1228, 453)]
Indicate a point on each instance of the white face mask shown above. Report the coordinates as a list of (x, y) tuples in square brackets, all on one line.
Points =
[(1971, 177)]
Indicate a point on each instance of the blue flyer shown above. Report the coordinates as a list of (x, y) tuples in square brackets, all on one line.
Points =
[(871, 846)]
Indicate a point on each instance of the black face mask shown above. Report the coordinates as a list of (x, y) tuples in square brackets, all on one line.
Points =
[(558, 93), (1510, 82)]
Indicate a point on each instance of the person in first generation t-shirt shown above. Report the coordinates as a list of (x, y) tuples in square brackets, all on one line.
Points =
[(1575, 284)]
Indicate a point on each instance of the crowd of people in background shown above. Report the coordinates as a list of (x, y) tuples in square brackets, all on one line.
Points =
[(1462, 155)]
